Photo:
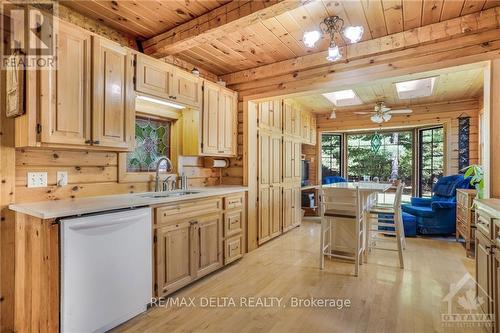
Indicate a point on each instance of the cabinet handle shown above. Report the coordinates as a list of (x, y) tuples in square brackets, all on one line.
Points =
[(221, 151), (88, 142), (193, 222), (96, 142)]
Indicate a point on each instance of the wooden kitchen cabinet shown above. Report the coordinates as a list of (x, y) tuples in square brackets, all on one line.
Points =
[(270, 115), (187, 88), (291, 119), (154, 77), (88, 101), (219, 120), (113, 118), (208, 244), (174, 256), (65, 95), (234, 227), (484, 271), (465, 225), (312, 129)]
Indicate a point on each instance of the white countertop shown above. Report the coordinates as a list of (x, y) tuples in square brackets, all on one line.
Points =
[(363, 186), (80, 206)]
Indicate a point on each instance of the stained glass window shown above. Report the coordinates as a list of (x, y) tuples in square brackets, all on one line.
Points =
[(152, 141)]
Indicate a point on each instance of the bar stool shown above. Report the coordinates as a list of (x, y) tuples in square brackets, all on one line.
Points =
[(341, 226), (387, 220)]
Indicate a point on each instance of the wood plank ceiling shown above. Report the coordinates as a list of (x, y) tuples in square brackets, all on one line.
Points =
[(277, 38), (461, 83), (143, 18)]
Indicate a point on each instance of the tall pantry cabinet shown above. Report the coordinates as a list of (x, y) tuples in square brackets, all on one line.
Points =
[(279, 154)]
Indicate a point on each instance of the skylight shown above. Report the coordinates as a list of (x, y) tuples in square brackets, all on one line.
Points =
[(344, 98), (415, 88)]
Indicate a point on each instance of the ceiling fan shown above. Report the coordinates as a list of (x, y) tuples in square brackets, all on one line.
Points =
[(382, 113)]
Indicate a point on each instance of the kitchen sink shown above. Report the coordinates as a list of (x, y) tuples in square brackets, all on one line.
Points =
[(167, 194)]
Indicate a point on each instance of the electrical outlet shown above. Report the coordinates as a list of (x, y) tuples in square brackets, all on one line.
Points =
[(37, 179), (62, 178)]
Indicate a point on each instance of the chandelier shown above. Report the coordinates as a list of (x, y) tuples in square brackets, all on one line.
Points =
[(333, 25)]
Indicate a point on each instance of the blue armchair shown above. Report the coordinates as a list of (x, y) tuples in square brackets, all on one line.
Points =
[(334, 179), (437, 215)]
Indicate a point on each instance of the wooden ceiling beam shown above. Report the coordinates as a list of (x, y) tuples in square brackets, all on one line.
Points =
[(484, 46), (221, 21), (446, 30)]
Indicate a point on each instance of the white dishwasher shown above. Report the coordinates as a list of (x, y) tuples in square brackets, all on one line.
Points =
[(106, 269)]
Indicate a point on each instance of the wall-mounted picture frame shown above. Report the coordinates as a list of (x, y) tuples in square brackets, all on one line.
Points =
[(14, 85)]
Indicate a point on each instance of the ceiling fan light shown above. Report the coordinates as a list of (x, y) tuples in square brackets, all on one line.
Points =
[(333, 115), (387, 116), (311, 37), (354, 33), (376, 118), (334, 53)]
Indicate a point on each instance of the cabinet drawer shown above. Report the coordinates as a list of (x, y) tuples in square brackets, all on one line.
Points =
[(462, 199), (233, 249), (234, 201), (185, 210), (233, 223)]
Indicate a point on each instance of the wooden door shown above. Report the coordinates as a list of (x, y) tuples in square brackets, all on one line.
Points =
[(306, 126), (174, 257), (264, 183), (275, 183), (297, 160), (297, 205), (208, 249), (65, 103), (288, 209), (483, 270), (288, 159), (312, 130), (187, 88), (154, 77), (113, 117), (276, 215), (228, 122), (211, 126)]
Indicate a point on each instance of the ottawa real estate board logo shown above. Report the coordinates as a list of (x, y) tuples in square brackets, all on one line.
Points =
[(28, 29), (467, 305)]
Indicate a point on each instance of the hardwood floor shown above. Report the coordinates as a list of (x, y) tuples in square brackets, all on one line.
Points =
[(384, 298)]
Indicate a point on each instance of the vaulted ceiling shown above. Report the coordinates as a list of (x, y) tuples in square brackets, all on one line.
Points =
[(266, 37)]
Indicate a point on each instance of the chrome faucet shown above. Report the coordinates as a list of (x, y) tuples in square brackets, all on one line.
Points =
[(169, 168)]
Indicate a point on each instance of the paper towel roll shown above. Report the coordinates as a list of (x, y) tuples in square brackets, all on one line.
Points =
[(220, 163)]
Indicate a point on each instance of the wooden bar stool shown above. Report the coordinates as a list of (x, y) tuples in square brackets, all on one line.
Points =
[(341, 226), (387, 220)]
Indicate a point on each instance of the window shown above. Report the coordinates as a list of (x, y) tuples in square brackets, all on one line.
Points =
[(431, 164), (392, 160), (331, 155), (152, 138)]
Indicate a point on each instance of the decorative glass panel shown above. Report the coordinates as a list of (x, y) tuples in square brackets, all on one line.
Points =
[(463, 142), (152, 141)]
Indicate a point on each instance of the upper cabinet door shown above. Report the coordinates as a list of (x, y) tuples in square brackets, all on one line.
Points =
[(65, 103), (187, 88), (114, 96), (154, 77), (211, 126), (228, 122)]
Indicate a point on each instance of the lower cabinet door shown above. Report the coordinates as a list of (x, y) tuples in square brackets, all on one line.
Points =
[(208, 244), (496, 288), (297, 207), (264, 217), (484, 272), (288, 209), (174, 257), (276, 211), (233, 249)]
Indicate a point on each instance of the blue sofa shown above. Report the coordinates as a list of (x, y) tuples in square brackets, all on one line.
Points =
[(437, 215), (334, 179)]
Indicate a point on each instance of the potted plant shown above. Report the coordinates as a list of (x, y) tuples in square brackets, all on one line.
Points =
[(477, 178)]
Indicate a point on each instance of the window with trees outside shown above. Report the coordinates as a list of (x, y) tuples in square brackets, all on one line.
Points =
[(431, 159), (331, 154), (392, 159)]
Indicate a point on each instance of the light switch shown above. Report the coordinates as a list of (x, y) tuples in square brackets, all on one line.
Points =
[(37, 179), (62, 178)]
